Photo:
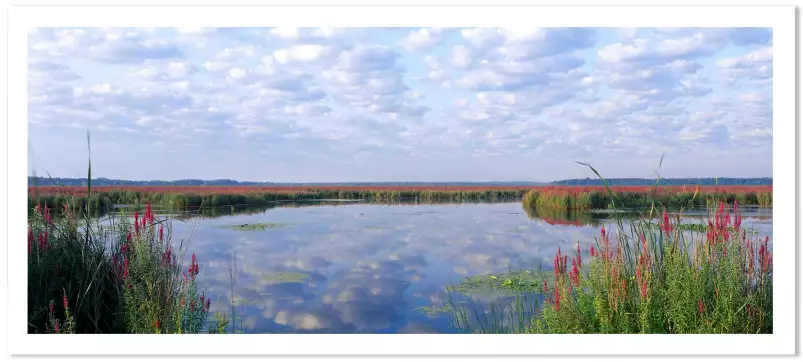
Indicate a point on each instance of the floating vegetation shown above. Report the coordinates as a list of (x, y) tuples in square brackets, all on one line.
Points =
[(254, 227), (511, 282), (433, 311), (285, 277)]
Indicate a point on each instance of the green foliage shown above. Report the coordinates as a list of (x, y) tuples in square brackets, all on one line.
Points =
[(116, 278)]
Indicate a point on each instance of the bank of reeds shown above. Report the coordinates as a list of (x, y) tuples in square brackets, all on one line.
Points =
[(101, 202), (578, 199)]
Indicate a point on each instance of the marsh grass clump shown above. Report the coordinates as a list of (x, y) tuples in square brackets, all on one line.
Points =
[(665, 282), (124, 277), (588, 198)]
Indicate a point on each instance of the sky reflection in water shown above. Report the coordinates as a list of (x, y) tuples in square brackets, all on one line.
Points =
[(357, 268)]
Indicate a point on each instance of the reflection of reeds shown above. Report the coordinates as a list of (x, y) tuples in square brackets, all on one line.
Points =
[(560, 217)]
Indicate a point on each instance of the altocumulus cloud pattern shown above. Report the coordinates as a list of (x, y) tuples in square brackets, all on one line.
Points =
[(396, 104)]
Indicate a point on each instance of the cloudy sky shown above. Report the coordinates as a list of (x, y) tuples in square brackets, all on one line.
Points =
[(400, 104)]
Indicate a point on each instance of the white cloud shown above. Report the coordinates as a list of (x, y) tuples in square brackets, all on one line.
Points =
[(300, 53), (290, 33), (424, 97), (422, 38)]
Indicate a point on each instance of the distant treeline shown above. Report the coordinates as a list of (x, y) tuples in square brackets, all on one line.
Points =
[(46, 181), (668, 182), (56, 181)]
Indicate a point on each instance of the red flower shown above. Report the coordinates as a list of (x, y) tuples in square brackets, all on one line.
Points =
[(125, 267), (148, 212), (700, 306), (579, 257), (161, 233), (193, 269), (156, 324), (207, 304), (30, 240), (666, 225), (575, 275), (66, 304), (56, 325)]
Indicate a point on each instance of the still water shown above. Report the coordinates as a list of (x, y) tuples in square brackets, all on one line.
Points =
[(362, 268)]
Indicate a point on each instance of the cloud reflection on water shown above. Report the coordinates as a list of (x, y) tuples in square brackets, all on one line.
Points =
[(367, 267)]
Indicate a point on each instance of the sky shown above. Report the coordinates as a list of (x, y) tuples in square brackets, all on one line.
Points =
[(399, 104)]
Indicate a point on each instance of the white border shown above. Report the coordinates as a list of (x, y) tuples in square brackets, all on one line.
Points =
[(782, 19)]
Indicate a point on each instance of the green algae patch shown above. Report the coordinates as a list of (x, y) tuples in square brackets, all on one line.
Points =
[(285, 277)]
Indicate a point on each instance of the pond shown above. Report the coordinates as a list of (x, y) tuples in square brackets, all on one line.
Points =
[(368, 268)]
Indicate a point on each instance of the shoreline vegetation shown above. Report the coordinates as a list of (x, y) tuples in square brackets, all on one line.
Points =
[(126, 277), (105, 199), (638, 279), (647, 275)]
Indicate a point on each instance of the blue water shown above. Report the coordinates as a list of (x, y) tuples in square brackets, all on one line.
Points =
[(369, 267)]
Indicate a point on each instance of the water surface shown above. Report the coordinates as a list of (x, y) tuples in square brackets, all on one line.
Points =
[(362, 268)]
